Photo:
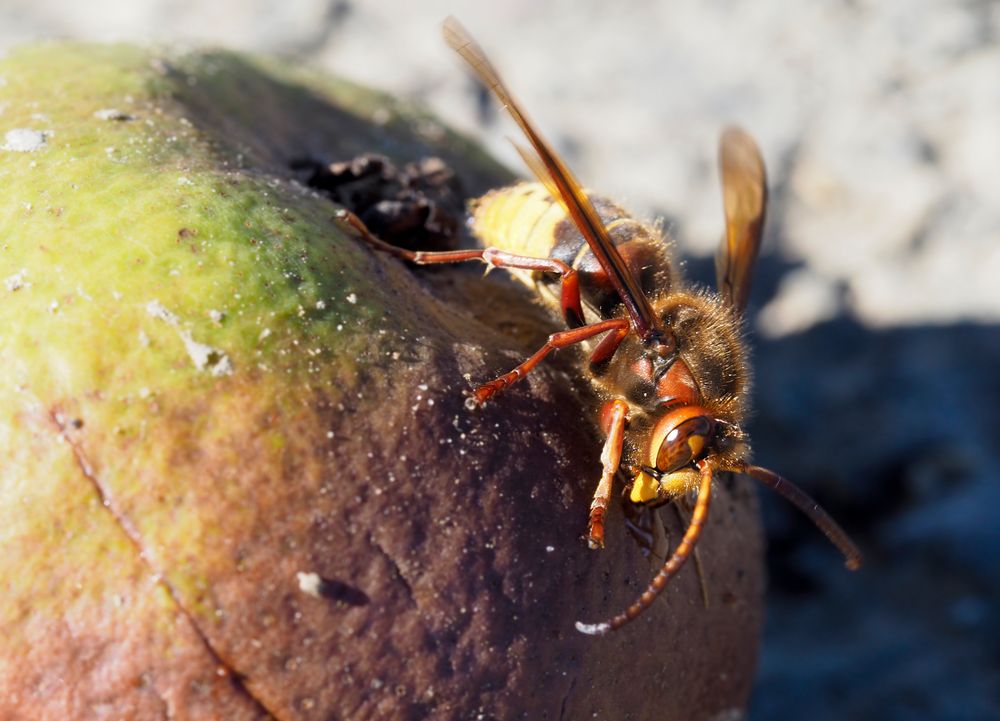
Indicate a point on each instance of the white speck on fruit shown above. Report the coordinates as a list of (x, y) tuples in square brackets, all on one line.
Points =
[(24, 140), (310, 583), (16, 281), (156, 309), (113, 114), (204, 356)]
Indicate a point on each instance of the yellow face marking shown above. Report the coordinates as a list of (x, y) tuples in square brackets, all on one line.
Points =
[(645, 488), (680, 483)]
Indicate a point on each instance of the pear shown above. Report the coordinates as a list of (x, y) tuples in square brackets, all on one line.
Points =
[(238, 477)]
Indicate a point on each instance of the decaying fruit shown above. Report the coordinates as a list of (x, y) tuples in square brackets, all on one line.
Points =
[(237, 477)]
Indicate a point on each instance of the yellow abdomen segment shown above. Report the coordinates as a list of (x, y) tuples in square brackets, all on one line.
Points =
[(520, 219)]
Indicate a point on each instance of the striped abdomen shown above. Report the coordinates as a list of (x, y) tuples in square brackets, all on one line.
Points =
[(526, 220)]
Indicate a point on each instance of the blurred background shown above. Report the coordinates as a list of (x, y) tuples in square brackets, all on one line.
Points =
[(875, 319)]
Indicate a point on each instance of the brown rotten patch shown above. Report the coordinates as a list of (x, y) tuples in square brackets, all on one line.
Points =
[(418, 206)]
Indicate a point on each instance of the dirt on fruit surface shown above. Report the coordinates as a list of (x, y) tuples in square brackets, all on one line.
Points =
[(419, 206)]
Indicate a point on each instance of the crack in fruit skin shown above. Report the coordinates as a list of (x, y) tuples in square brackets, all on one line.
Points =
[(69, 435)]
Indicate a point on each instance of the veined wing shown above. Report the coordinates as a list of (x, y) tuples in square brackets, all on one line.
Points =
[(570, 192), (744, 200)]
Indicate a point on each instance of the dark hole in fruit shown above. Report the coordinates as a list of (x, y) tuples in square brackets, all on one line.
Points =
[(419, 206)]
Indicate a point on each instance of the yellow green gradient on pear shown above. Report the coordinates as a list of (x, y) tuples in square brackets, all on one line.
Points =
[(180, 321)]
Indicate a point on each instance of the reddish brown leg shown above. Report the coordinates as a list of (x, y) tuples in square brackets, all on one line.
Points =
[(613, 417), (673, 564), (607, 347), (570, 284), (562, 339)]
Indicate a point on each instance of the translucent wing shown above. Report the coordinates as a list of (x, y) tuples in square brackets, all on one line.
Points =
[(744, 200), (536, 166), (568, 189)]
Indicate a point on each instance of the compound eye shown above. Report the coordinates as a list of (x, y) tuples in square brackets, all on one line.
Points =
[(683, 444)]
